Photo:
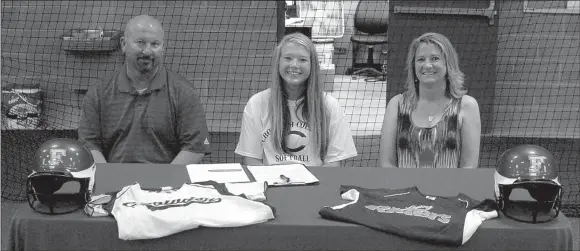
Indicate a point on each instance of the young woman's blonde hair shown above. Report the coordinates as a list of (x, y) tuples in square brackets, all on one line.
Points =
[(314, 110), (454, 77)]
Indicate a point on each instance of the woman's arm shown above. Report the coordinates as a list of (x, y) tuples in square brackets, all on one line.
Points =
[(249, 144), (388, 150), (341, 144), (470, 132), (253, 161), (332, 164)]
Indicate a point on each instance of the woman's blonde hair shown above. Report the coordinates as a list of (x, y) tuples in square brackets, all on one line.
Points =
[(454, 77), (313, 106)]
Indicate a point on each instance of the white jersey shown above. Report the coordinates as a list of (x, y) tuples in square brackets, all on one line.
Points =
[(147, 214), (255, 140)]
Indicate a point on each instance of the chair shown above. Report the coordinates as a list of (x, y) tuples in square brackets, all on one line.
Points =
[(371, 21)]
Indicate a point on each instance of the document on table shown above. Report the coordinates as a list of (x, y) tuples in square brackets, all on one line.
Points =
[(283, 175), (222, 173)]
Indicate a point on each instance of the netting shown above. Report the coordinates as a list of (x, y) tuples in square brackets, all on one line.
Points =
[(521, 60)]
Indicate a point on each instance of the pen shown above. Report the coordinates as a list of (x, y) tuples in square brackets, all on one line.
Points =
[(288, 183), (225, 170), (284, 178)]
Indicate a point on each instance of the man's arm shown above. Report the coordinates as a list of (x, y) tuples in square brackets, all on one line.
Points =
[(89, 131), (192, 128), (186, 157)]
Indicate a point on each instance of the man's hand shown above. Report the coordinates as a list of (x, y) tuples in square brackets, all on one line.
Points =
[(185, 157)]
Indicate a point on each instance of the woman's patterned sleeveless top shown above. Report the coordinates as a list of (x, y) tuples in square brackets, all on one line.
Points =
[(435, 147)]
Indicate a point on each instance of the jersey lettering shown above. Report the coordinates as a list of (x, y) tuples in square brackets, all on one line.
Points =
[(418, 211), (162, 205)]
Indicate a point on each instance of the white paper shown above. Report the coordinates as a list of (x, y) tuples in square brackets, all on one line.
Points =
[(252, 190), (297, 173), (222, 173)]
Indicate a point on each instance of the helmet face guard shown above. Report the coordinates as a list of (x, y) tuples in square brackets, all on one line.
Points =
[(543, 206), (56, 192)]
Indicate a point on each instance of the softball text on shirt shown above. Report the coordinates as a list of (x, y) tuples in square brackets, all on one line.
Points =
[(296, 141)]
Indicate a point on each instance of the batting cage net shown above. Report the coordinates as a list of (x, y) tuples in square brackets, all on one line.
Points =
[(521, 61)]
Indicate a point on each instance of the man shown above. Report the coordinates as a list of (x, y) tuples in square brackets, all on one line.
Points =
[(144, 113)]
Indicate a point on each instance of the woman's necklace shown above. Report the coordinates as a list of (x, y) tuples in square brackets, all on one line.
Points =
[(432, 115)]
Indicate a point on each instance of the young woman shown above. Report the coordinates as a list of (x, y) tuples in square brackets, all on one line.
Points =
[(433, 124), (294, 121)]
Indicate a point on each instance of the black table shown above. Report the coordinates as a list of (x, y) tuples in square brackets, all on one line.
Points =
[(297, 225)]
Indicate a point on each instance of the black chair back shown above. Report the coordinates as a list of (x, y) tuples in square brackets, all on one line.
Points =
[(372, 17)]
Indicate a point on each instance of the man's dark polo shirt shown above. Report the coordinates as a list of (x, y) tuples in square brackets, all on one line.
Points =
[(152, 127)]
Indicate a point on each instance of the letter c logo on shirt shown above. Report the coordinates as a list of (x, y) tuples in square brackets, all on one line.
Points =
[(296, 141)]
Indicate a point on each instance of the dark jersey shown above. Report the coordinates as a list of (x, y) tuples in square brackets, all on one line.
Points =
[(409, 213)]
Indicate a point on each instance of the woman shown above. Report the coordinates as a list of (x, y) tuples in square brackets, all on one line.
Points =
[(294, 121), (433, 124)]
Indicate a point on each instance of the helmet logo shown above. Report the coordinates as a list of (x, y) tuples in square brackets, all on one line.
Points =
[(537, 164), (56, 157)]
